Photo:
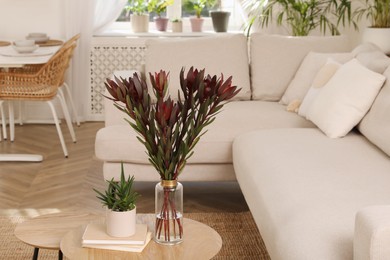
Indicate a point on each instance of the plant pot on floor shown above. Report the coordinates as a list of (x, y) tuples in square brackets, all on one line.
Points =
[(379, 37), (161, 23), (139, 22), (196, 24), (121, 223), (220, 20)]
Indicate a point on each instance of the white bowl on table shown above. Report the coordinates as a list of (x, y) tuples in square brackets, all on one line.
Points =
[(24, 43), (25, 49)]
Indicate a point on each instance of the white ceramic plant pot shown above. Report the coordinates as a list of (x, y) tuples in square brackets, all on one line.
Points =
[(121, 224), (378, 36), (139, 22), (177, 26)]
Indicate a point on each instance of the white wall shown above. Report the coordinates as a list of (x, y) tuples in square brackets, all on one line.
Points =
[(20, 17)]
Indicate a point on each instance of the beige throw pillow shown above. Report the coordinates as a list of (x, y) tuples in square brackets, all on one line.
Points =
[(345, 99), (321, 78), (308, 69)]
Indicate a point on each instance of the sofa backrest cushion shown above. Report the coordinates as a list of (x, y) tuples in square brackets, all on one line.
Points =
[(226, 54), (375, 126), (276, 58)]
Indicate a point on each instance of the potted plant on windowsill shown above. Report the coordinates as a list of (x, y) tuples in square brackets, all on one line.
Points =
[(301, 17), (197, 6), (177, 25), (378, 13), (139, 17), (120, 200), (159, 7), (220, 18)]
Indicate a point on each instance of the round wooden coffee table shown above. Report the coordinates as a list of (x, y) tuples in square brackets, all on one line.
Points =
[(46, 231), (200, 242)]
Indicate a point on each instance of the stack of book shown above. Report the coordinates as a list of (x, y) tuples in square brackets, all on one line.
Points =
[(95, 236)]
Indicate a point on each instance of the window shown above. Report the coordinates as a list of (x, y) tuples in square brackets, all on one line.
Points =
[(236, 21)]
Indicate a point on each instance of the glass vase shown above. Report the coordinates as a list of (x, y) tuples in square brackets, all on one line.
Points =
[(169, 212)]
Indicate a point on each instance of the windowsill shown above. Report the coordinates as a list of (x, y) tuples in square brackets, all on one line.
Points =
[(152, 33), (123, 29)]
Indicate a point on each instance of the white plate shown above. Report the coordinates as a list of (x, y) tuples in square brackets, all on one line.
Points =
[(25, 49), (10, 52)]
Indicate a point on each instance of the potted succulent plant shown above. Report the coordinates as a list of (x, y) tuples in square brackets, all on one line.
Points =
[(220, 18), (177, 25), (301, 16), (159, 7), (378, 13), (197, 6), (120, 200), (139, 17)]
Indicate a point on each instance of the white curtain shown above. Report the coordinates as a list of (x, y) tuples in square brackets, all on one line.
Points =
[(85, 17), (106, 12)]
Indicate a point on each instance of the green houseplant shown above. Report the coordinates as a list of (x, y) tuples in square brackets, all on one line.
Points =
[(197, 6), (120, 200), (378, 13), (169, 130), (159, 7), (139, 17), (300, 16)]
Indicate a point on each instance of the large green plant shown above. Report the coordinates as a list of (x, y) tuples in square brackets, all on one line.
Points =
[(119, 195), (159, 6), (198, 5), (137, 6), (377, 11), (300, 16)]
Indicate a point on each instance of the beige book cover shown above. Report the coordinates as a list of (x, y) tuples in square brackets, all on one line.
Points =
[(95, 233), (128, 248)]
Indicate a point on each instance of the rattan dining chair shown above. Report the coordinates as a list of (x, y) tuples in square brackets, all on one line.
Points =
[(39, 83), (64, 85)]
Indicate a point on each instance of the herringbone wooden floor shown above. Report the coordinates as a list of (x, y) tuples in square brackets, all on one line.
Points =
[(61, 184)]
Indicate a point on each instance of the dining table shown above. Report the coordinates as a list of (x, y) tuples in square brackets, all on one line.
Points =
[(10, 58)]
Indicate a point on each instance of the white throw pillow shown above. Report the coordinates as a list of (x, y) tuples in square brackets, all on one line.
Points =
[(302, 80), (345, 99), (322, 77)]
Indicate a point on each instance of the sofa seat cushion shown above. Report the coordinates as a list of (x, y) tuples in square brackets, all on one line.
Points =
[(304, 188), (118, 142)]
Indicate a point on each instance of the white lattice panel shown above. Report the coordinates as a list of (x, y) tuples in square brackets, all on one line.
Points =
[(107, 56)]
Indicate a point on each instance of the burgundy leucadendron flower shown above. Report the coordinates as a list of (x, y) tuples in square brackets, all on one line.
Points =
[(170, 129)]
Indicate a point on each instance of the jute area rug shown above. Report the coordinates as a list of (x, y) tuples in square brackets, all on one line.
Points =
[(240, 236)]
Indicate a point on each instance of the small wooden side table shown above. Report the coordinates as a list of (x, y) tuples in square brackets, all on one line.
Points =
[(46, 231), (200, 242)]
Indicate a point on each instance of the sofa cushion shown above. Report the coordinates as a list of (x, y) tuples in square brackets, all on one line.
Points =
[(306, 73), (376, 124), (275, 60), (119, 143), (345, 99), (223, 54), (374, 60), (304, 189)]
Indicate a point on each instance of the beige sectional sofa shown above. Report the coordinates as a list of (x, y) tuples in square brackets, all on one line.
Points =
[(303, 188)]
